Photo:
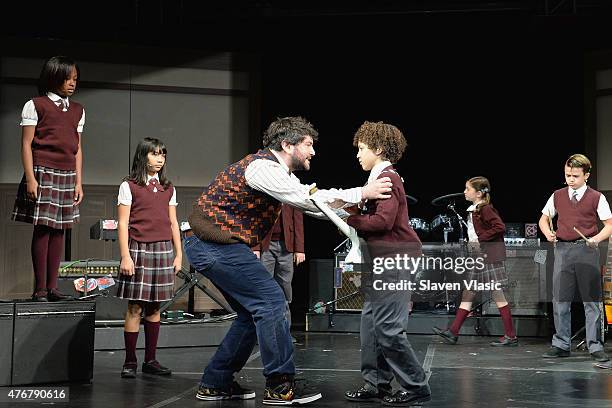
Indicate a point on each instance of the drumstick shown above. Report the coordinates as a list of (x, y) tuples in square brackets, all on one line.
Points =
[(581, 234), (550, 224)]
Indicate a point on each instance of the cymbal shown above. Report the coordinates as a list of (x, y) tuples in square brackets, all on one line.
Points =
[(446, 199), (411, 199)]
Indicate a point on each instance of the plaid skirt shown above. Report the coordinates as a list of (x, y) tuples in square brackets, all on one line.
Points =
[(54, 206), (495, 272), (153, 278)]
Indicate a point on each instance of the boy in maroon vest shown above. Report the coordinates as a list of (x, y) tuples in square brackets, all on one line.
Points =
[(576, 259)]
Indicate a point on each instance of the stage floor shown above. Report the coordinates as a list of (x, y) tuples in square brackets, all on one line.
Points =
[(469, 374)]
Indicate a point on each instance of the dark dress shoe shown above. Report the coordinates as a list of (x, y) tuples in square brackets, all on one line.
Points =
[(153, 367), (600, 356), (555, 352), (447, 335), (40, 297), (407, 398), (55, 295), (363, 395), (505, 341), (129, 370)]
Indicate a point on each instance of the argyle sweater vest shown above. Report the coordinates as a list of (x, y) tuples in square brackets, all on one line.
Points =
[(230, 211)]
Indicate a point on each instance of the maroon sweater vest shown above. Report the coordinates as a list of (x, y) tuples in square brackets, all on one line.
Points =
[(230, 211), (583, 215), (149, 217), (56, 140)]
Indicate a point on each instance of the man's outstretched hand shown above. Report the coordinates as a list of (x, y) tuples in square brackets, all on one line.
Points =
[(376, 189)]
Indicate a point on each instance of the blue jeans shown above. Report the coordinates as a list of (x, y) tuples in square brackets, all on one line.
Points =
[(259, 302)]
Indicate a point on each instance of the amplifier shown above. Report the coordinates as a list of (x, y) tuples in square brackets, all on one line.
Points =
[(94, 268), (104, 230), (526, 292), (348, 286), (53, 342), (522, 242)]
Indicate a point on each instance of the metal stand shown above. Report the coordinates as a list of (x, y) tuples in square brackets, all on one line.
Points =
[(192, 280), (331, 310)]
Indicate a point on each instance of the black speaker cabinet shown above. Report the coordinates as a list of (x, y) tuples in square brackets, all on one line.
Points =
[(320, 280), (6, 342), (53, 342), (526, 292), (107, 308)]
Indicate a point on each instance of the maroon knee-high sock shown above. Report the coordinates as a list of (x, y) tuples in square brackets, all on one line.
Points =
[(130, 339), (151, 330), (56, 245), (39, 250), (458, 322), (506, 317)]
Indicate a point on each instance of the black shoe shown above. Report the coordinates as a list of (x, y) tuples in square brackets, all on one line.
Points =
[(505, 341), (293, 340), (289, 392), (364, 395), (600, 356), (55, 295), (408, 398), (555, 352), (40, 296), (235, 391), (447, 335), (129, 370), (153, 367)]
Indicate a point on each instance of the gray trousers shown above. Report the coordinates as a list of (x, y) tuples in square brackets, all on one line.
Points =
[(279, 262), (385, 350), (577, 267)]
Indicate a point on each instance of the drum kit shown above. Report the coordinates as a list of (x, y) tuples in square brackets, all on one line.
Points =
[(448, 226)]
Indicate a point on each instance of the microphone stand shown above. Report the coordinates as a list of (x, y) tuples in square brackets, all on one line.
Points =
[(462, 222)]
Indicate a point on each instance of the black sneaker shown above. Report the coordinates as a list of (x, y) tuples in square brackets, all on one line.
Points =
[(600, 356), (153, 367), (235, 391), (555, 352), (447, 335), (40, 296), (129, 370), (292, 392), (505, 341), (408, 398), (364, 394)]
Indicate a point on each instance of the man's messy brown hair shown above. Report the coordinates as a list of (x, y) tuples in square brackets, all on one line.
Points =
[(379, 135)]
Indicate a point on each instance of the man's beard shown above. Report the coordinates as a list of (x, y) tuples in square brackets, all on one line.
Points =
[(297, 164)]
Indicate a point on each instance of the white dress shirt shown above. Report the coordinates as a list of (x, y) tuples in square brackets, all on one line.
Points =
[(125, 194), (472, 236), (276, 180), (29, 117), (603, 208)]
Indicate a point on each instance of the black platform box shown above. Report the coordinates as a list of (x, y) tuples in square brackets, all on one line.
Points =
[(6, 342), (53, 342)]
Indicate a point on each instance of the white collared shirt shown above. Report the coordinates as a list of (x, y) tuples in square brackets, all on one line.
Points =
[(29, 117), (603, 208), (125, 194), (276, 180), (472, 236), (377, 169)]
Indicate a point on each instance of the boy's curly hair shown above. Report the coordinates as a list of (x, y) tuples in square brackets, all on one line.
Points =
[(379, 135)]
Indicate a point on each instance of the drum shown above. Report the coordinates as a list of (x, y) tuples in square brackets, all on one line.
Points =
[(443, 225), (421, 227)]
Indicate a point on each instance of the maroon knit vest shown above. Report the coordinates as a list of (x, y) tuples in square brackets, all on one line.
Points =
[(582, 215), (56, 140), (230, 211), (149, 218)]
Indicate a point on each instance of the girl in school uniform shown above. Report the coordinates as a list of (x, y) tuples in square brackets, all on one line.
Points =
[(150, 245), (51, 188), (486, 230)]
